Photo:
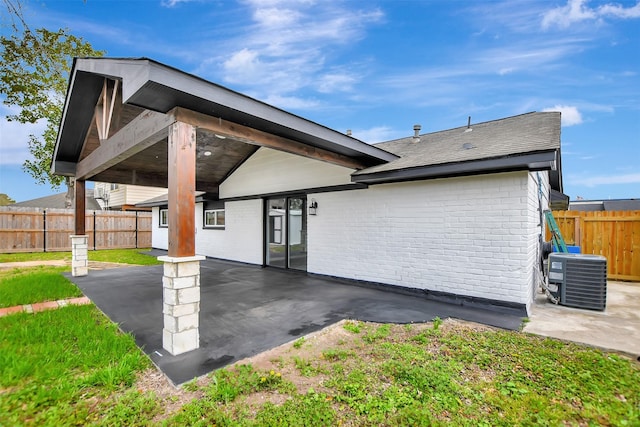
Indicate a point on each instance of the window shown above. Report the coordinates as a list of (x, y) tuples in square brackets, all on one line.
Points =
[(164, 217), (214, 218), (114, 186)]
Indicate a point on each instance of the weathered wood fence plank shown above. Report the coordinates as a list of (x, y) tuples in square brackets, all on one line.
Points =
[(38, 230)]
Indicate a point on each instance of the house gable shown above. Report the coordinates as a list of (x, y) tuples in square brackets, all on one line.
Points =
[(269, 171)]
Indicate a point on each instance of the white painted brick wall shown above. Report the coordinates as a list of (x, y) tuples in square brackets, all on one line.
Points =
[(467, 236), (241, 239), (159, 236), (536, 227)]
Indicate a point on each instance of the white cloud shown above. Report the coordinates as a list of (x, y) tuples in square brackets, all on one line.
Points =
[(291, 102), (276, 18), (14, 137), (593, 181), (376, 134), (577, 11), (618, 11), (173, 3), (336, 82), (570, 114), (243, 65), (290, 43)]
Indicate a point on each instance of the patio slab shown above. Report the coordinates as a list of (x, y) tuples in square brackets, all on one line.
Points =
[(616, 328), (246, 310)]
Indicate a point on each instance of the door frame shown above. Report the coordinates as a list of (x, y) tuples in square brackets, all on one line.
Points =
[(285, 232)]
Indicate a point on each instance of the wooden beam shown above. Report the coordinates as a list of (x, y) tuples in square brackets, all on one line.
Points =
[(256, 137), (79, 208), (142, 132), (182, 186), (104, 108)]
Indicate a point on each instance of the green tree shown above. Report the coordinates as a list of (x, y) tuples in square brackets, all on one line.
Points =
[(34, 71), (5, 200)]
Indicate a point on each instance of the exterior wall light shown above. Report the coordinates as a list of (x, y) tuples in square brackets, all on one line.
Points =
[(313, 207)]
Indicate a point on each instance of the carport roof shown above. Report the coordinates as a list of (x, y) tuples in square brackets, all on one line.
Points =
[(137, 86)]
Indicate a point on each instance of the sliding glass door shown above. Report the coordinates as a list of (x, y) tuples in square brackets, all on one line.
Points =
[(286, 232)]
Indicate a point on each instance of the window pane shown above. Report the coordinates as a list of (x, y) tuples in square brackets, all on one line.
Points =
[(209, 218), (214, 218)]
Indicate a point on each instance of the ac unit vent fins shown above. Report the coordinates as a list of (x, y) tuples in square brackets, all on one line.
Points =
[(581, 279)]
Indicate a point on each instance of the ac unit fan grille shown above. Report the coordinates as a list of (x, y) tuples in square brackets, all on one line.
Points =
[(585, 284)]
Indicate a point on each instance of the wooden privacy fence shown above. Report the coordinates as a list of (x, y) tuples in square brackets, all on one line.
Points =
[(614, 234), (43, 230)]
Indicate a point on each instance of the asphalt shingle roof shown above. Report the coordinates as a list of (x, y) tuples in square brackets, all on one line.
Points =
[(58, 201), (526, 133)]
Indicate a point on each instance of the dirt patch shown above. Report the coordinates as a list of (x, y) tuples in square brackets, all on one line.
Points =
[(300, 362), (26, 264), (98, 265), (171, 398)]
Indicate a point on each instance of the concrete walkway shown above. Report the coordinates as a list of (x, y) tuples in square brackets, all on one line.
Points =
[(617, 328), (93, 265), (42, 306), (27, 264)]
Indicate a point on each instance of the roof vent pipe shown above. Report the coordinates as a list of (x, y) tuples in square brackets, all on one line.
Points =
[(416, 133), (348, 132)]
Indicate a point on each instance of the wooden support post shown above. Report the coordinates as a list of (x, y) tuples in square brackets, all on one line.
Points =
[(79, 241), (80, 208), (182, 186)]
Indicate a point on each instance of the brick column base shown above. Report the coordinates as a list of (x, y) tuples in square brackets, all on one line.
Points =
[(181, 308), (79, 255)]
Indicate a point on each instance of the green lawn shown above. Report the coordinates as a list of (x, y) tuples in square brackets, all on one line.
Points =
[(46, 283), (420, 376), (124, 256), (72, 366), (65, 367), (27, 286)]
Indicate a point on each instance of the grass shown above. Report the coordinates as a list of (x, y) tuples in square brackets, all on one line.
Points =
[(123, 256), (430, 375), (386, 375), (46, 283), (28, 286), (72, 366), (67, 366)]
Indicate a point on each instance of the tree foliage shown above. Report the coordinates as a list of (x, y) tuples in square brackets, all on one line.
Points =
[(34, 71), (6, 200)]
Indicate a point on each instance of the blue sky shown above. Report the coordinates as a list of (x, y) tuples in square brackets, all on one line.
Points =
[(379, 67)]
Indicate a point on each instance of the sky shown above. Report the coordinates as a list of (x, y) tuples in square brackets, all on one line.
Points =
[(379, 67)]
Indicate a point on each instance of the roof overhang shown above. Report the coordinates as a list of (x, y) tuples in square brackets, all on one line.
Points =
[(545, 160), (155, 87)]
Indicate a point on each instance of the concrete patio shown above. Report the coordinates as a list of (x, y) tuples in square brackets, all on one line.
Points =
[(245, 310), (616, 328)]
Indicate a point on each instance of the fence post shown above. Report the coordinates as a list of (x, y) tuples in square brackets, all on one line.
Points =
[(94, 230), (44, 230), (136, 229)]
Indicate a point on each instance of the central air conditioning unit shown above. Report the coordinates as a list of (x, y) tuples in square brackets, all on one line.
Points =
[(578, 280)]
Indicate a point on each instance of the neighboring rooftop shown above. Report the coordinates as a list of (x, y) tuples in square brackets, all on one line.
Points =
[(58, 201), (163, 199), (605, 205)]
